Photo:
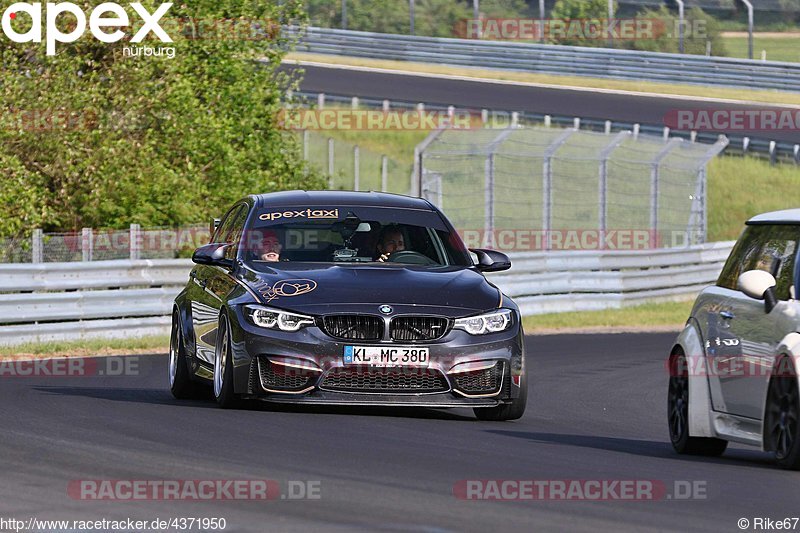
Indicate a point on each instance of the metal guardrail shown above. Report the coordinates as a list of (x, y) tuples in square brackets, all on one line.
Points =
[(553, 282), (540, 282), (556, 59), (67, 301)]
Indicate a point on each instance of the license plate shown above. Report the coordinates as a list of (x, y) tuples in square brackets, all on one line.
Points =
[(386, 356)]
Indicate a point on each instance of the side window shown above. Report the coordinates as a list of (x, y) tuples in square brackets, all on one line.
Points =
[(742, 257), (237, 228), (223, 232), (764, 247), (776, 256)]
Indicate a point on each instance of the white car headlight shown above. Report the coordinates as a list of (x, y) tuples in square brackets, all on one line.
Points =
[(485, 323), (276, 319)]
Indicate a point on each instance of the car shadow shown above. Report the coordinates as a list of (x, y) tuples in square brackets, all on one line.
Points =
[(135, 395), (641, 447), (163, 397)]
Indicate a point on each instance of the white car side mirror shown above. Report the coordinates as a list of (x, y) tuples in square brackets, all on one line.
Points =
[(755, 283)]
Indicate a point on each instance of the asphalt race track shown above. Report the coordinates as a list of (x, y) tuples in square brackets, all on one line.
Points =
[(596, 412), (479, 95)]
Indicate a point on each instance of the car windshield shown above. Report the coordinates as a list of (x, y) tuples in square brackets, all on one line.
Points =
[(350, 235)]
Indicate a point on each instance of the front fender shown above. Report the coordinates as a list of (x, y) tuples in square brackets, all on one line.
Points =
[(691, 343)]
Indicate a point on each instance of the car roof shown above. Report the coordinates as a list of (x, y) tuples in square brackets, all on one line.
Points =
[(785, 216), (339, 198)]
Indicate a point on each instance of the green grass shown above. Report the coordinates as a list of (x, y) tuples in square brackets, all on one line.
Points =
[(653, 315), (778, 48), (90, 347), (740, 187)]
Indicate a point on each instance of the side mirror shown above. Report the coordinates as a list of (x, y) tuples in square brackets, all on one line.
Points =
[(490, 260), (760, 285), (212, 254)]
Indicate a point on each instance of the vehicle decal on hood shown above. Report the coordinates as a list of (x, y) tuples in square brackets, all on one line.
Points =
[(285, 288)]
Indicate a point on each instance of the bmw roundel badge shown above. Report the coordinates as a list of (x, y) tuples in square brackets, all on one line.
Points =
[(385, 309)]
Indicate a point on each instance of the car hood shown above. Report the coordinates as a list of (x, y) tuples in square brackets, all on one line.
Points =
[(315, 289)]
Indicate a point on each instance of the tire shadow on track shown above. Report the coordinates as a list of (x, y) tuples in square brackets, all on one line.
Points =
[(640, 447)]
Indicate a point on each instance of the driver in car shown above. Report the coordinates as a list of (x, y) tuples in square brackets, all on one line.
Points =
[(270, 248), (390, 241)]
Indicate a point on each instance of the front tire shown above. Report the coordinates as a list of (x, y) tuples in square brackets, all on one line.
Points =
[(678, 414), (223, 367), (781, 428), (180, 380), (508, 411)]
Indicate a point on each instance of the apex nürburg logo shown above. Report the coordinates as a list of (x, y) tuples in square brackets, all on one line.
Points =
[(104, 17)]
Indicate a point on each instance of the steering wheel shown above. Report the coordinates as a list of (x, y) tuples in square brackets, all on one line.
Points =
[(410, 257)]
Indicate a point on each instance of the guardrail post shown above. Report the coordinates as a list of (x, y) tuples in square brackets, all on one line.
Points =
[(356, 164), (87, 244), (384, 173), (773, 154), (666, 133), (796, 153), (607, 127), (636, 128), (321, 101), (136, 241), (386, 106), (344, 14), (576, 123), (37, 248), (354, 102), (745, 144), (411, 16), (484, 116), (514, 119), (547, 121)]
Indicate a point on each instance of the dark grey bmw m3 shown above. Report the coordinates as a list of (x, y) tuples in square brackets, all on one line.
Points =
[(347, 298)]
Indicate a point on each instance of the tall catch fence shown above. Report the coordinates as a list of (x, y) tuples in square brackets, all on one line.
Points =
[(521, 189)]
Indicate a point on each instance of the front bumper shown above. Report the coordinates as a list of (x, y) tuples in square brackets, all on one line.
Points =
[(307, 366)]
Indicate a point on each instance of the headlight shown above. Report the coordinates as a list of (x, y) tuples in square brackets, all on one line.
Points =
[(276, 319), (486, 323)]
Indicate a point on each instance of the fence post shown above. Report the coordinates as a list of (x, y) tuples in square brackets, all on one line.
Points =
[(37, 249), (603, 180), (330, 162), (384, 173), (135, 242), (356, 163), (87, 244), (655, 178), (488, 195), (547, 185), (305, 145)]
